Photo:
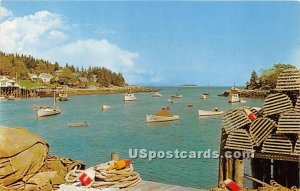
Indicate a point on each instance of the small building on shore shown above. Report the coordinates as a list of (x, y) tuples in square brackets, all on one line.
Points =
[(46, 78), (6, 82)]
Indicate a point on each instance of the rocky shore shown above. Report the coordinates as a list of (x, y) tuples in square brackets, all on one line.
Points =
[(100, 91), (248, 93)]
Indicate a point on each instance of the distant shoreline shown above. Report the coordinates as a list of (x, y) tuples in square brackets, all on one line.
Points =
[(100, 91), (260, 94)]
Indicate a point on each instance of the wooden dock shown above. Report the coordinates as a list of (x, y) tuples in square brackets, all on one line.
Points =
[(142, 186)]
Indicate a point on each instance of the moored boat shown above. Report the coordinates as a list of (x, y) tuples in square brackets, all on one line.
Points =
[(105, 107), (129, 97), (156, 94), (203, 96), (177, 96), (233, 98), (243, 100), (210, 113), (162, 115), (78, 124), (43, 111)]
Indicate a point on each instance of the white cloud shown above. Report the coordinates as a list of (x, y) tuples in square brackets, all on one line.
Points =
[(92, 52), (44, 35), (4, 13)]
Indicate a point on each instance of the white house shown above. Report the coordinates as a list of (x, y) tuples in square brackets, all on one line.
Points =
[(45, 77), (33, 77), (6, 82)]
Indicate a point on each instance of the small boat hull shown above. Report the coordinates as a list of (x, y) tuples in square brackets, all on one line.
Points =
[(155, 118), (156, 94), (209, 113), (78, 124), (129, 97), (105, 107), (43, 112), (203, 96)]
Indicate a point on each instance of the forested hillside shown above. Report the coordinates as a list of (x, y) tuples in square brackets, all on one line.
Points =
[(21, 66)]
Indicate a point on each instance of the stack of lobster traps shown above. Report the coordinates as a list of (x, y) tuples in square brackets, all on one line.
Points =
[(271, 133)]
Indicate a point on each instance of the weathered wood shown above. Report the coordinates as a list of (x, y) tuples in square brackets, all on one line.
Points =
[(288, 80), (221, 174), (234, 119), (260, 129), (289, 122), (114, 156), (297, 147), (276, 104), (229, 168), (239, 140), (297, 106), (239, 172), (276, 143)]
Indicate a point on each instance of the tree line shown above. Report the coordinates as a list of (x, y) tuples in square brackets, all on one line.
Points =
[(268, 78), (20, 66)]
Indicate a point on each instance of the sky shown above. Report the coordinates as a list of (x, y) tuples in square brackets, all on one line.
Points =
[(157, 43)]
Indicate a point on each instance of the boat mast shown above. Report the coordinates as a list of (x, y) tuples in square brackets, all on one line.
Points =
[(54, 102)]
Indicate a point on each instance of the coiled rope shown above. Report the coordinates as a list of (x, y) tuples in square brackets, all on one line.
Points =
[(123, 178)]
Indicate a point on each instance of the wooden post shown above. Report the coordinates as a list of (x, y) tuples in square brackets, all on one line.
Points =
[(114, 156), (221, 157), (239, 172), (229, 167)]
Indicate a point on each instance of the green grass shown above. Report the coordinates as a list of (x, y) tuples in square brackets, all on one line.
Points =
[(29, 84)]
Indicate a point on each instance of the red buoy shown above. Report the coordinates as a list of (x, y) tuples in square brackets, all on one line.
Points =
[(251, 115), (87, 176), (190, 105), (232, 185)]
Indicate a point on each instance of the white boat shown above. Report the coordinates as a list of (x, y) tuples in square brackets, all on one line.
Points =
[(78, 124), (105, 107), (176, 96), (63, 97), (156, 94), (44, 111), (203, 96), (11, 97), (161, 116), (243, 101), (129, 97), (233, 98), (210, 113)]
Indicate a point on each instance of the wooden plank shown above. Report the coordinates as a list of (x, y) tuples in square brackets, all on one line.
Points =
[(276, 103), (288, 80), (151, 186)]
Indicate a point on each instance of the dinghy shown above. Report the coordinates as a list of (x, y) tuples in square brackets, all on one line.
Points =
[(210, 113)]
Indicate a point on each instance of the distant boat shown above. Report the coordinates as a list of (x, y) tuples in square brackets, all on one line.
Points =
[(233, 98), (105, 107), (209, 113), (129, 97), (156, 94), (63, 96), (177, 96), (207, 93), (78, 124), (242, 100), (11, 97), (203, 96), (161, 116), (43, 111)]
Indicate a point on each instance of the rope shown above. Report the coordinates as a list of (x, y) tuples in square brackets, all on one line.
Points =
[(122, 178)]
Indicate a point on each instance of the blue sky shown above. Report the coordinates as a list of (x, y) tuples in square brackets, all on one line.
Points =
[(157, 43)]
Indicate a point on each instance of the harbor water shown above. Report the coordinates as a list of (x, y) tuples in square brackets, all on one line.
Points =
[(124, 127)]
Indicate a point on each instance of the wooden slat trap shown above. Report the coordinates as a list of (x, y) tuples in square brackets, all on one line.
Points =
[(235, 119), (260, 129), (297, 147), (289, 122), (239, 140), (288, 80), (297, 106), (277, 143), (276, 103)]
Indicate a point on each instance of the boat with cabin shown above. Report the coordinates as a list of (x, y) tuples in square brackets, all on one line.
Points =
[(161, 116), (177, 96), (129, 97)]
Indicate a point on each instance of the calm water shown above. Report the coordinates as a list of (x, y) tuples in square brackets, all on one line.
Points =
[(123, 127)]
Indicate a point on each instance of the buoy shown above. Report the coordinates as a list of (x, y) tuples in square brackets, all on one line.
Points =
[(190, 105), (250, 115), (119, 164), (232, 185), (87, 176)]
